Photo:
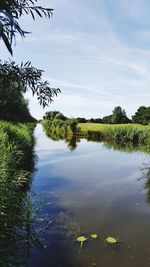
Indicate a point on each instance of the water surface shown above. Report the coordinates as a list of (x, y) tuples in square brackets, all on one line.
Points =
[(92, 190)]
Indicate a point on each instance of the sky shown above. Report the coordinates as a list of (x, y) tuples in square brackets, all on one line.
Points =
[(97, 52)]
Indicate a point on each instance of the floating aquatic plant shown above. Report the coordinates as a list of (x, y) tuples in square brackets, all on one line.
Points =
[(94, 236), (81, 239), (111, 240)]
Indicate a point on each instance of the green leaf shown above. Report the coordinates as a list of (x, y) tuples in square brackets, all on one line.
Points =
[(81, 238), (7, 43), (111, 240), (94, 236)]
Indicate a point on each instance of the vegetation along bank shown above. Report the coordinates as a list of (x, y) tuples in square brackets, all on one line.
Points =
[(58, 126), (16, 168)]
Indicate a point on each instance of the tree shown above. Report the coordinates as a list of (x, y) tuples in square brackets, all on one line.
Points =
[(51, 115), (119, 116), (142, 115), (81, 120), (60, 116), (10, 13), (13, 106), (96, 120), (108, 119), (15, 110), (22, 78)]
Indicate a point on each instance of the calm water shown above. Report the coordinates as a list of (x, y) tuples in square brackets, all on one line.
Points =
[(91, 190)]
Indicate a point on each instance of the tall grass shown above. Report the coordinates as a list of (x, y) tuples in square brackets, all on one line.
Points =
[(134, 133), (16, 147)]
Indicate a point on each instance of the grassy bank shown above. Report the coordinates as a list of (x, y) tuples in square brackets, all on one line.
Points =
[(16, 166), (134, 133)]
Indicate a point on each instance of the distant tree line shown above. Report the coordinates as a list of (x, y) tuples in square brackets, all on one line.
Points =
[(118, 116)]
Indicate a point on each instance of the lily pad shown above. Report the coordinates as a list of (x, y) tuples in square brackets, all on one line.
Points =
[(94, 236), (111, 240), (81, 238)]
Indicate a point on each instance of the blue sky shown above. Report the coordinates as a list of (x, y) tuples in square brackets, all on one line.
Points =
[(97, 52)]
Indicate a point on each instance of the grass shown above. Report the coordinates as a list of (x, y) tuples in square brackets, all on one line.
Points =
[(16, 163), (102, 127), (84, 127), (134, 133)]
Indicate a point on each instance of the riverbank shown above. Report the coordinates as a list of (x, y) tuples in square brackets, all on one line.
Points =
[(135, 134), (122, 133), (16, 168)]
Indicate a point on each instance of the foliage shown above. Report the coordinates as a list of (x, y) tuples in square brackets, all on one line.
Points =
[(10, 13), (53, 119), (85, 127), (72, 123), (128, 147), (16, 80), (54, 115), (67, 127), (81, 120), (111, 240), (108, 119), (97, 120), (94, 236), (12, 76), (81, 239), (16, 167), (13, 106), (61, 130), (134, 133), (118, 116), (60, 116), (142, 115)]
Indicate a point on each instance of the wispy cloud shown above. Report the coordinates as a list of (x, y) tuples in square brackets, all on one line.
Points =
[(93, 52)]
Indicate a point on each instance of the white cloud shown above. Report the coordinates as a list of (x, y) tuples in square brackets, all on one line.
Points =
[(82, 53)]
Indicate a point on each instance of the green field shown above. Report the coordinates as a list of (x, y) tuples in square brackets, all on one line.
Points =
[(101, 127)]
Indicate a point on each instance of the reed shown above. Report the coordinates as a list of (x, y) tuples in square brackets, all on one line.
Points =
[(123, 133), (16, 151)]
